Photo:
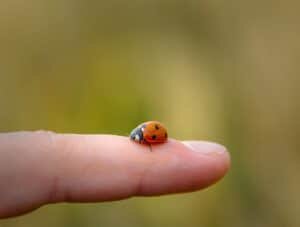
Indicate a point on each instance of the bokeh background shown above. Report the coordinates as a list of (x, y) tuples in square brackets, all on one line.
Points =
[(226, 71)]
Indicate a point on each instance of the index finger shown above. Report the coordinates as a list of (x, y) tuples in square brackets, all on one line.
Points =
[(44, 167), (107, 167)]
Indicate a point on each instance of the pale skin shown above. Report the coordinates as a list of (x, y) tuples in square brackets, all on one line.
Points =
[(38, 168)]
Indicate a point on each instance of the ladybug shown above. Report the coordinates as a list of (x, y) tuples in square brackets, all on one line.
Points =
[(150, 132)]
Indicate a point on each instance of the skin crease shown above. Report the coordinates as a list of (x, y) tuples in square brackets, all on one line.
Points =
[(37, 168)]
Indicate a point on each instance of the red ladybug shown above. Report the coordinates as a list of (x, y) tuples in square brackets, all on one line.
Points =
[(150, 132)]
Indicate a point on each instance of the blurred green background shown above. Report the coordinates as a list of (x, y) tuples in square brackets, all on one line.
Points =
[(226, 71)]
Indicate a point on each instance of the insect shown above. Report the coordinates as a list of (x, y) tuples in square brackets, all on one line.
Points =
[(150, 132)]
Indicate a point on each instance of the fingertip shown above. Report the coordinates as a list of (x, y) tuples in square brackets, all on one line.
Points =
[(216, 152), (184, 166)]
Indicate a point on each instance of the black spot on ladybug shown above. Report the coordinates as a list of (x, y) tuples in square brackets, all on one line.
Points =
[(153, 137), (156, 127), (166, 135)]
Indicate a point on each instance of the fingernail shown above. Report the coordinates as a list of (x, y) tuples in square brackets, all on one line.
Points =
[(205, 147)]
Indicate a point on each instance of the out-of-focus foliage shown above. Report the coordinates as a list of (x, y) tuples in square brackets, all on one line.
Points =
[(226, 71)]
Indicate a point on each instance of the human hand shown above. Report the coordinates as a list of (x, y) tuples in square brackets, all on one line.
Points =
[(38, 168)]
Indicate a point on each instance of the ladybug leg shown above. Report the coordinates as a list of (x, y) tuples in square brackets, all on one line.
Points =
[(150, 147), (149, 144)]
